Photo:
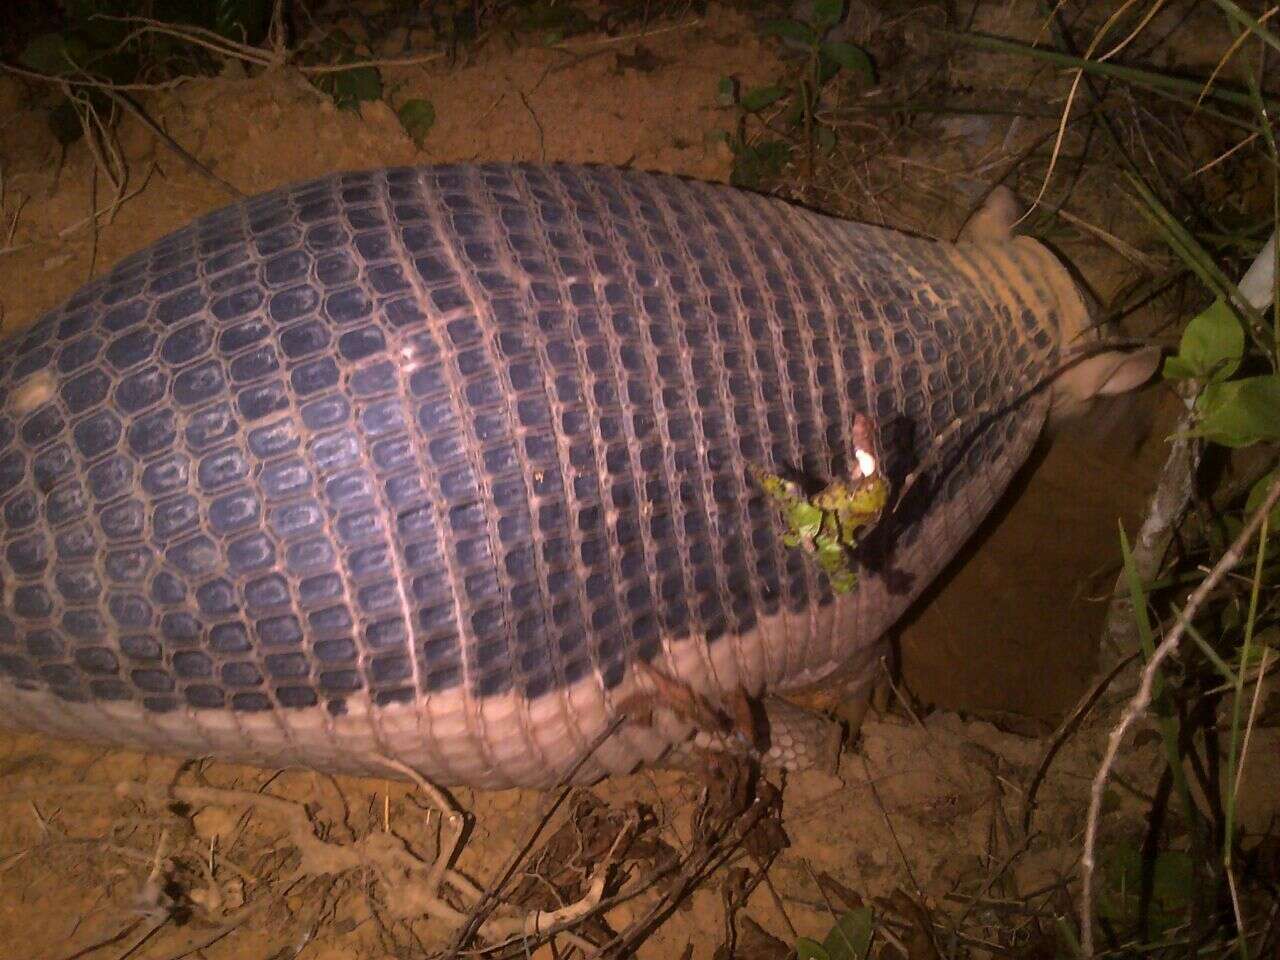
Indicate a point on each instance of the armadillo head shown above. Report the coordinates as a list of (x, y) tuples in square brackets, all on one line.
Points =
[(1088, 371)]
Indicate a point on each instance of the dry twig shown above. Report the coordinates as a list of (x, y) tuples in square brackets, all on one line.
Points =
[(1142, 699)]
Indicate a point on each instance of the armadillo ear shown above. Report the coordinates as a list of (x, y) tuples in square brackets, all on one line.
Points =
[(1114, 372)]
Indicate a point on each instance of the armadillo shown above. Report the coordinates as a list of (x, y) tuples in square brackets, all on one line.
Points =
[(444, 465)]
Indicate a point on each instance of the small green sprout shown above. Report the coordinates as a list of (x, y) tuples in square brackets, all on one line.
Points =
[(833, 521)]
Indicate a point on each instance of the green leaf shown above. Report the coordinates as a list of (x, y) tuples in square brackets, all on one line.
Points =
[(417, 116), (1255, 498), (1240, 412), (850, 938), (55, 54), (827, 68), (850, 57), (727, 91), (832, 554), (805, 520), (1120, 898), (793, 114), (553, 20), (843, 580), (791, 30), (351, 87), (758, 98), (1211, 346), (755, 165), (807, 949), (826, 14), (1175, 368)]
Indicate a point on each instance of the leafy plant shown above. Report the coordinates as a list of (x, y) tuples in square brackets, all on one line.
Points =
[(1225, 366), (849, 939), (1211, 348), (826, 57), (793, 103), (1232, 412), (348, 88), (552, 21), (1240, 413), (1133, 891), (1185, 887), (98, 42), (831, 523)]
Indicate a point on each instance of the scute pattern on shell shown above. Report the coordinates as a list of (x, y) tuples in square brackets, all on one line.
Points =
[(402, 431)]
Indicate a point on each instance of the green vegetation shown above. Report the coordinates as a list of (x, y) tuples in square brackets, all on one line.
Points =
[(849, 939), (1211, 573), (417, 116), (106, 47), (831, 523), (778, 119), (1196, 158), (105, 42)]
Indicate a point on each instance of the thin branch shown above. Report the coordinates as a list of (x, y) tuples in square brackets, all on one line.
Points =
[(1142, 699), (1063, 733), (489, 898), (1164, 513), (127, 104), (92, 82)]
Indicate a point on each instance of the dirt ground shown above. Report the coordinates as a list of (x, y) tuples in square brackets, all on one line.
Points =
[(931, 805)]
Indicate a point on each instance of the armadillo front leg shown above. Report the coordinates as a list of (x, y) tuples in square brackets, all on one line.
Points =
[(798, 739)]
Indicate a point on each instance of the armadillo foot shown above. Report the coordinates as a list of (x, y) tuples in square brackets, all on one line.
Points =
[(853, 708), (798, 739)]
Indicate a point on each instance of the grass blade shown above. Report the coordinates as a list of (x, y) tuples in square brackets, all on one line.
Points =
[(1138, 76), (1249, 22), (1166, 716)]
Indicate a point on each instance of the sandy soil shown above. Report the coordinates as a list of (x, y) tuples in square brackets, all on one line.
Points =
[(931, 806)]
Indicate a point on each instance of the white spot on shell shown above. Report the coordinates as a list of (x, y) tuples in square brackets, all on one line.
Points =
[(37, 389), (866, 462)]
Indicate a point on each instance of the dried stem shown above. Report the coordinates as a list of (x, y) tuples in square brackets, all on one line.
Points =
[(1142, 699), (1165, 511), (488, 899)]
